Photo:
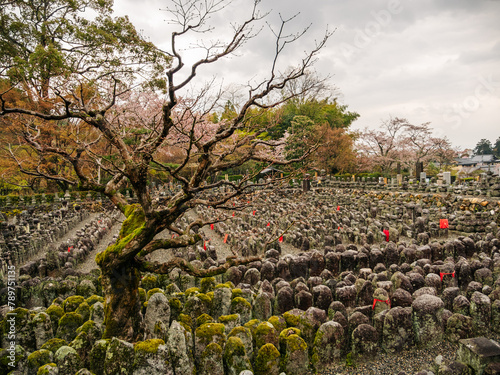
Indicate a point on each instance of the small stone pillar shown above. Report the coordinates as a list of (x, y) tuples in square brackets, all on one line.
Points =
[(427, 317)]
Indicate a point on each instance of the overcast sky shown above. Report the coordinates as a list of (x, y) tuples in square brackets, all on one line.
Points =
[(432, 61)]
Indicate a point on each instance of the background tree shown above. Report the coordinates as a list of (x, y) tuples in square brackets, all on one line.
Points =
[(496, 148), (84, 76), (381, 149), (483, 147)]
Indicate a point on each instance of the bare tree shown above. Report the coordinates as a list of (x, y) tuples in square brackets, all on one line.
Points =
[(106, 135)]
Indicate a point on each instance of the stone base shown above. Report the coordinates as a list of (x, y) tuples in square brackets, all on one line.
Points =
[(478, 352)]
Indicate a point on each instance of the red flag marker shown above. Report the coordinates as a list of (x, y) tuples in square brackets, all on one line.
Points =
[(205, 245), (70, 248), (386, 232), (233, 213), (253, 213), (225, 238), (212, 226), (338, 208), (281, 239), (268, 224)]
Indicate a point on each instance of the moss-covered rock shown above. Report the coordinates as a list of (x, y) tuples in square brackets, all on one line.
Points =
[(196, 305), (84, 311), (242, 307), (86, 288), (70, 304), (11, 359), (252, 325), (230, 321), (42, 327), (192, 291), (235, 357), (207, 284), (179, 345), (153, 291), (458, 327), (204, 318), (67, 359), (222, 301), (48, 369), (278, 322), (246, 338), (294, 354), (68, 324), (265, 333), (142, 295), (93, 299), (211, 360), (92, 329), (119, 357), (209, 333), (151, 357), (18, 321), (83, 346), (149, 281), (38, 358), (267, 361), (55, 312), (175, 308), (54, 344), (97, 356), (157, 317), (328, 344)]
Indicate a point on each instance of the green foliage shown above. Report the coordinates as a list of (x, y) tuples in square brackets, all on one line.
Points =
[(483, 147)]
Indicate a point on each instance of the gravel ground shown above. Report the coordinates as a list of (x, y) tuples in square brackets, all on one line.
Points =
[(90, 263), (405, 362), (70, 234)]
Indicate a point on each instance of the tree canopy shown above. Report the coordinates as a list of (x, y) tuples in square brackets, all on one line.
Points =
[(99, 99)]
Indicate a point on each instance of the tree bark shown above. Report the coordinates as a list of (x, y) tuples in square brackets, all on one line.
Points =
[(122, 304)]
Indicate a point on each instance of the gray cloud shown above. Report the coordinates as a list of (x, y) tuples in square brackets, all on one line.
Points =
[(426, 60)]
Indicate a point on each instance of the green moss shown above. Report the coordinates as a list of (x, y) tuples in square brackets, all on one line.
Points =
[(142, 295), (149, 281), (208, 330), (228, 284), (228, 318), (86, 327), (93, 299), (236, 292), (186, 319), (349, 360), (291, 319), (207, 284), (55, 312), (203, 319), (234, 347), (70, 304), (148, 346), (39, 358), (294, 342), (132, 227), (210, 295), (267, 360), (46, 369), (240, 304), (289, 331), (238, 330), (252, 325), (135, 217), (84, 310), (278, 323), (205, 298), (54, 344), (153, 291), (192, 291)]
